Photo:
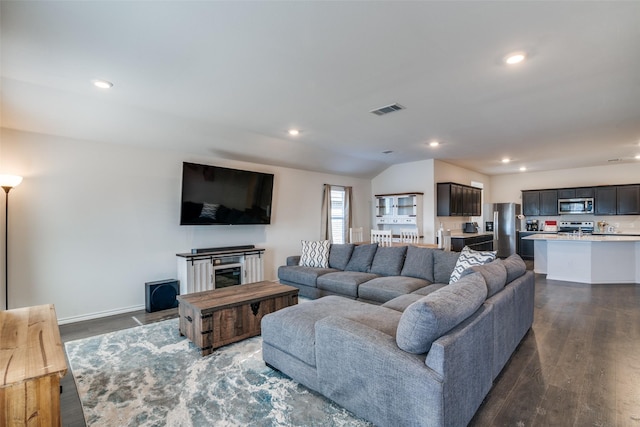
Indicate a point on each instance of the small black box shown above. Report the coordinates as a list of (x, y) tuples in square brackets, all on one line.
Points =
[(161, 295)]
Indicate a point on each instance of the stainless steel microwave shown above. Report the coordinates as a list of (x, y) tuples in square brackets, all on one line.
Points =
[(575, 206)]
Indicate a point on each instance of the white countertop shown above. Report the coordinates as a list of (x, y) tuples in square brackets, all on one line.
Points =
[(584, 237)]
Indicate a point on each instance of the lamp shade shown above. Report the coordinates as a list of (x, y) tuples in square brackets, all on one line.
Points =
[(10, 180)]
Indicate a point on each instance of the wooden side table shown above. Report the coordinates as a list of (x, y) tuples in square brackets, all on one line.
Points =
[(32, 362)]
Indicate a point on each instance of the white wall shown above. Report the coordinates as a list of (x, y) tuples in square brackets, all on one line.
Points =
[(92, 222)]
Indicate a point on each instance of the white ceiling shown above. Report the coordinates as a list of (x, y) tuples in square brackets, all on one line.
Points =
[(227, 79)]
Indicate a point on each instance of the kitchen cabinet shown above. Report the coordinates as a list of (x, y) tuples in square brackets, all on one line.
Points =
[(475, 242), (531, 203), (628, 200), (524, 248), (605, 200), (549, 202), (540, 202), (572, 193), (458, 200)]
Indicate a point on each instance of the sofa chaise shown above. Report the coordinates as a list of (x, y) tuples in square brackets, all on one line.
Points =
[(427, 357)]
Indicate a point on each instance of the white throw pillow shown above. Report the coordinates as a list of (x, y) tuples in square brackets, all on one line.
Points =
[(469, 258), (315, 253)]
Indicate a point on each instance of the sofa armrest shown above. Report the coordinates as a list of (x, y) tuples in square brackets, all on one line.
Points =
[(364, 370), (293, 260)]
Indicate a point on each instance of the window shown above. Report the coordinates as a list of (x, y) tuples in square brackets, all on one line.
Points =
[(338, 215)]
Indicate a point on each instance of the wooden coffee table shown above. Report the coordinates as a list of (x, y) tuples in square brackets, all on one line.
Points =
[(211, 319)]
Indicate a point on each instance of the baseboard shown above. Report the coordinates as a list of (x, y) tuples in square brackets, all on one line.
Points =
[(90, 316)]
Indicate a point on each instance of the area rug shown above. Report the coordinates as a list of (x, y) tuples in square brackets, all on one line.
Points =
[(151, 376)]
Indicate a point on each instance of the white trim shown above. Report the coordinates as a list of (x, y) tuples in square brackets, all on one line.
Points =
[(99, 314)]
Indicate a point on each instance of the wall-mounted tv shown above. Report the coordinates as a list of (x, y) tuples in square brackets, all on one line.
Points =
[(217, 195)]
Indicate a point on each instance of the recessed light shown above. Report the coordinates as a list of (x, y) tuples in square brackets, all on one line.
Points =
[(515, 58), (506, 160), (638, 157), (294, 132), (103, 84), (523, 168), (434, 143)]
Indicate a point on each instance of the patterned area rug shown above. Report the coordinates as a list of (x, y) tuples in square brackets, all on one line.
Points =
[(151, 376)]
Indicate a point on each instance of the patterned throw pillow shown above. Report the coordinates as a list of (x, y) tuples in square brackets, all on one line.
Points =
[(315, 253), (469, 258), (209, 210)]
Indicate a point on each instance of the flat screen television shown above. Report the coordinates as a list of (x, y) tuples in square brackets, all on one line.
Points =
[(217, 195)]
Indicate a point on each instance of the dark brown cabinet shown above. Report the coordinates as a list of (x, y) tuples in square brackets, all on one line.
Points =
[(531, 203), (540, 202), (628, 200), (572, 193), (605, 200), (477, 243), (524, 248), (458, 200), (549, 202)]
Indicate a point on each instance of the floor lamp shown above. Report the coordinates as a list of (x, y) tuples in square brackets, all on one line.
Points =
[(7, 182)]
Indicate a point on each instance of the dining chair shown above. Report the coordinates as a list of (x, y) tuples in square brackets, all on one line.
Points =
[(409, 236), (381, 237), (356, 234)]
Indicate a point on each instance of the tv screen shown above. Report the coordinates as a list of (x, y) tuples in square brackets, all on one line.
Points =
[(216, 195)]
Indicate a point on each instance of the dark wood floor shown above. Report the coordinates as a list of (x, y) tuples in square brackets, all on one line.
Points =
[(578, 366)]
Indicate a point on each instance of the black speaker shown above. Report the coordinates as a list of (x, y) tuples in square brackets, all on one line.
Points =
[(162, 294)]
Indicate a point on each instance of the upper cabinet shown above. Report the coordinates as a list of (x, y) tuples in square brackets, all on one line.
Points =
[(399, 209), (458, 200), (605, 200), (540, 202), (628, 199), (608, 199)]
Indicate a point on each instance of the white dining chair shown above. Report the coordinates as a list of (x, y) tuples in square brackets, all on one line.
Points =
[(356, 235), (381, 237), (409, 236)]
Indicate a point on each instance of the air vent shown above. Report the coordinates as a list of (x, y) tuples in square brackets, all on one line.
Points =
[(387, 109)]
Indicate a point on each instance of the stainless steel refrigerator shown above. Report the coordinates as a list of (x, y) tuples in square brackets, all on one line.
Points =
[(505, 225)]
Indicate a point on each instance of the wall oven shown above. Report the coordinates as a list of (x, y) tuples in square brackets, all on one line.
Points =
[(575, 206)]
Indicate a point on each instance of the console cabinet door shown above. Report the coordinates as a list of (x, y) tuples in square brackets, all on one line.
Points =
[(605, 200), (628, 200)]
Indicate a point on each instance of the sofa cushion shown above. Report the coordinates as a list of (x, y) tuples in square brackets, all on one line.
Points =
[(315, 253), (361, 258), (515, 267), (432, 316), (388, 261), (401, 302), (303, 275), (494, 273), (428, 289), (443, 264), (339, 255), (468, 258), (292, 329), (343, 282), (383, 289), (419, 263)]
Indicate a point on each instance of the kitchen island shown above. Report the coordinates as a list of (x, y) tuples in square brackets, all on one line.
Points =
[(594, 259)]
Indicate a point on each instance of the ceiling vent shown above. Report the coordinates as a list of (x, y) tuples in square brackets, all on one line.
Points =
[(387, 109)]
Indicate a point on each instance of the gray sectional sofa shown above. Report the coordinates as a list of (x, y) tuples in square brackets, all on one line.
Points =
[(370, 273), (426, 357)]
